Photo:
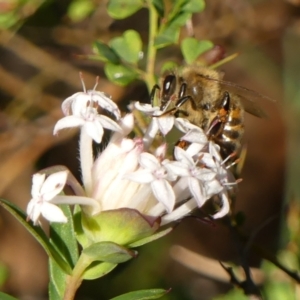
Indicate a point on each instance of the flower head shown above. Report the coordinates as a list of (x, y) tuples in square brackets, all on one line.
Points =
[(133, 173)]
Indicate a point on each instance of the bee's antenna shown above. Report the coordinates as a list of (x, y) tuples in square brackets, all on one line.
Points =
[(82, 82)]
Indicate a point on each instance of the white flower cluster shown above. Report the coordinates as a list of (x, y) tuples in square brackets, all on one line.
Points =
[(126, 173)]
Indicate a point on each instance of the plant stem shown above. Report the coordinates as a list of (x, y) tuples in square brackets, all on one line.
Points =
[(86, 160), (74, 280), (151, 52)]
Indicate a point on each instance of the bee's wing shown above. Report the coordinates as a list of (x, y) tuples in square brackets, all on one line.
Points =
[(252, 107), (249, 98)]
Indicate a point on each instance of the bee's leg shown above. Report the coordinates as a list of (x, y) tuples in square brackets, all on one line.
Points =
[(224, 107), (152, 94), (178, 104)]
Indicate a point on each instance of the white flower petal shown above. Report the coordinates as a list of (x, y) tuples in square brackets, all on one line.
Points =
[(67, 104), (208, 160), (182, 156), (179, 212), (161, 151), (94, 130), (214, 150), (127, 124), (149, 161), (67, 122), (164, 193), (195, 135), (37, 183), (212, 187), (53, 185), (80, 103), (184, 125), (146, 108), (196, 190), (108, 123), (177, 168), (204, 174), (141, 176), (53, 213), (165, 123), (150, 133), (105, 102), (225, 207), (33, 210)]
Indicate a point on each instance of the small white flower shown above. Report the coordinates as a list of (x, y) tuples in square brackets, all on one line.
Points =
[(43, 192), (77, 102), (195, 176), (224, 177), (155, 174), (90, 121), (163, 122), (45, 195)]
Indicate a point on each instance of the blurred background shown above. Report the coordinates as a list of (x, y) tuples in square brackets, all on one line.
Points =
[(42, 45)]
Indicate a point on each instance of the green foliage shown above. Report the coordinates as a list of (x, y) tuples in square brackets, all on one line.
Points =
[(3, 274), (14, 12), (6, 297), (97, 270), (123, 54), (235, 294), (180, 13), (142, 295), (120, 74), (38, 234), (80, 9), (192, 48), (128, 46), (62, 237), (105, 53), (108, 252), (120, 9)]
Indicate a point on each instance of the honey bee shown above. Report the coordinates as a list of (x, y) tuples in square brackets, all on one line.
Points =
[(200, 95)]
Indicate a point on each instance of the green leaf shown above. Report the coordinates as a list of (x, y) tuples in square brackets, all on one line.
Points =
[(57, 283), (105, 53), (191, 48), (168, 66), (38, 234), (159, 6), (177, 9), (128, 46), (142, 295), (122, 226), (80, 9), (97, 270), (80, 235), (169, 33), (151, 238), (167, 37), (109, 252), (6, 297), (119, 74), (194, 6), (62, 237), (3, 274), (120, 9)]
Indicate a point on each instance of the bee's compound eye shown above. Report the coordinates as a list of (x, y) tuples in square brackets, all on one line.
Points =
[(169, 86)]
